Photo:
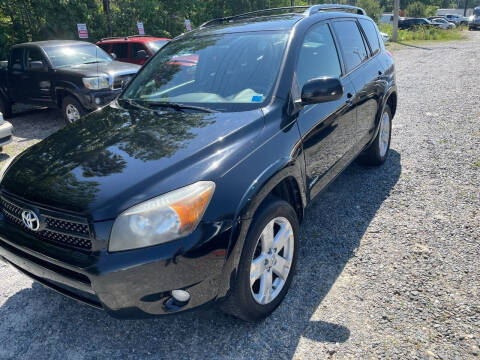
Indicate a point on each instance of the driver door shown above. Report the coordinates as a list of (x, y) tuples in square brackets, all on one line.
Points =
[(36, 80), (327, 129)]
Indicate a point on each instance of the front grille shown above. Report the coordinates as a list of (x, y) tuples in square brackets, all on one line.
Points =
[(57, 228), (120, 81)]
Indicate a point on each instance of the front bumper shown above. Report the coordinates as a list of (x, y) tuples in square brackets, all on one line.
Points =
[(130, 284), (6, 132), (93, 100)]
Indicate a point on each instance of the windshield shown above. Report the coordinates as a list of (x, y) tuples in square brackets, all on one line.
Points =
[(476, 12), (156, 45), (228, 72), (71, 55)]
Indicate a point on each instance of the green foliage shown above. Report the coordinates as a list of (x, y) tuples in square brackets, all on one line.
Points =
[(431, 10), (372, 7), (422, 33), (416, 9), (31, 20)]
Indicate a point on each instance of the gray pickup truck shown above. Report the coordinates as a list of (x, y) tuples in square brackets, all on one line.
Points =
[(74, 76)]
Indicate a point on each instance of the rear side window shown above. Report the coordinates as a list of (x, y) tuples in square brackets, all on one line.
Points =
[(121, 50), (372, 35), (16, 59), (318, 56), (351, 43)]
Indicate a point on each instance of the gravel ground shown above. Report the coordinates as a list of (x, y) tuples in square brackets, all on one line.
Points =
[(389, 265)]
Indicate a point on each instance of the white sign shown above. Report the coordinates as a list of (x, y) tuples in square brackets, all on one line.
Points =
[(82, 31), (141, 31), (188, 25)]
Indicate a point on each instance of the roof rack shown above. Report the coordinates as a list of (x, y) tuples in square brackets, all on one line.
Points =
[(309, 10), (124, 37)]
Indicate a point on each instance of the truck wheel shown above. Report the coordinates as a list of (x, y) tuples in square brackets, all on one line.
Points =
[(5, 108), (377, 152), (267, 263), (72, 110)]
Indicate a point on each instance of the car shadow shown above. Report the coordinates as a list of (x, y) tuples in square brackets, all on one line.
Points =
[(38, 322), (35, 123)]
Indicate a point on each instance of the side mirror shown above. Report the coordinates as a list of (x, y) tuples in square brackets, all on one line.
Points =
[(141, 54), (114, 56), (321, 90), (38, 66)]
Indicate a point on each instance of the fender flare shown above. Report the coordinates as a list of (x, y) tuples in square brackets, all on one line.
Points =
[(253, 197)]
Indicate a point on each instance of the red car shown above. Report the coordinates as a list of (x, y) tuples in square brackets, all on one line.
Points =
[(132, 49)]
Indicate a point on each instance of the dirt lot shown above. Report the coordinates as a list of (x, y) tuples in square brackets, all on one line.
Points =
[(390, 259)]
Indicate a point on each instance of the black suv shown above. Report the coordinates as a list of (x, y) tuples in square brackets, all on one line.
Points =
[(190, 188), (75, 76)]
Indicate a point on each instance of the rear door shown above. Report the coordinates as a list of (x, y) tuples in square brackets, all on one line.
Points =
[(16, 69), (364, 71), (327, 129)]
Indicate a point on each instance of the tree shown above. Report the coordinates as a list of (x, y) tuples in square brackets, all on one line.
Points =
[(372, 7), (416, 9)]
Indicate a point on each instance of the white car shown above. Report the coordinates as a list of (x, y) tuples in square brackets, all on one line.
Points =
[(443, 23), (385, 37), (6, 132)]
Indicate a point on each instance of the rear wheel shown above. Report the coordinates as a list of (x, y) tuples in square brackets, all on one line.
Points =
[(5, 108), (72, 110), (267, 263), (377, 152)]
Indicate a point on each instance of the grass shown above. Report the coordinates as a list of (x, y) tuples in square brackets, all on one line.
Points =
[(425, 34)]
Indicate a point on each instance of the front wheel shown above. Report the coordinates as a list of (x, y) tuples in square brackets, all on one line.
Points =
[(267, 263), (72, 110), (377, 152)]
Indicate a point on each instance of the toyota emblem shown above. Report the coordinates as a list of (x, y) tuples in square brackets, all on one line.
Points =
[(30, 220)]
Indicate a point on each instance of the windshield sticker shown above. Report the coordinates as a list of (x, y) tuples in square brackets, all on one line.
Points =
[(257, 98)]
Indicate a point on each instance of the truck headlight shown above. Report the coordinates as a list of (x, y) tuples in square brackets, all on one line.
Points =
[(161, 219), (96, 83)]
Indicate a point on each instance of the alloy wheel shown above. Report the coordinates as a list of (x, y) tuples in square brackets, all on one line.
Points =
[(72, 113), (384, 138), (272, 260)]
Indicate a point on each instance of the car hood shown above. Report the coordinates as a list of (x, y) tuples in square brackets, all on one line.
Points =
[(115, 158), (112, 69)]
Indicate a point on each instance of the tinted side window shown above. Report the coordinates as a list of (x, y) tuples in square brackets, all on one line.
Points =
[(121, 50), (351, 43), (136, 47), (318, 56), (371, 33), (16, 59), (34, 55), (105, 47)]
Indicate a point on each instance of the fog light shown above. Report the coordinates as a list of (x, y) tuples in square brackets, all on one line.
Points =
[(181, 297), (98, 101)]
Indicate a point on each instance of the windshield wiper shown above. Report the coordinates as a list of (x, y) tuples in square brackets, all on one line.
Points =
[(179, 107), (135, 104), (93, 62)]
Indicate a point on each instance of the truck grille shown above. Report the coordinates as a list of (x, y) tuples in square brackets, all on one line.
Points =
[(57, 228), (120, 81)]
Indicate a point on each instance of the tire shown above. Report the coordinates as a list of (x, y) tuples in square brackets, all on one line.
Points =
[(5, 108), (72, 110), (377, 152), (245, 300)]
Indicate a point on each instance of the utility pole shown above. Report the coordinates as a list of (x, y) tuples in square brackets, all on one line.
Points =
[(292, 2), (465, 10), (396, 9)]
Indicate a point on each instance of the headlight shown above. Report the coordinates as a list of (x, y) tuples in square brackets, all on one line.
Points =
[(161, 219), (96, 83)]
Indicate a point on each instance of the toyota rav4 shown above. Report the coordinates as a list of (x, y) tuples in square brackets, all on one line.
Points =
[(190, 188)]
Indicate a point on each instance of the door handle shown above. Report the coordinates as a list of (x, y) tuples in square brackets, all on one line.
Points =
[(349, 99)]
